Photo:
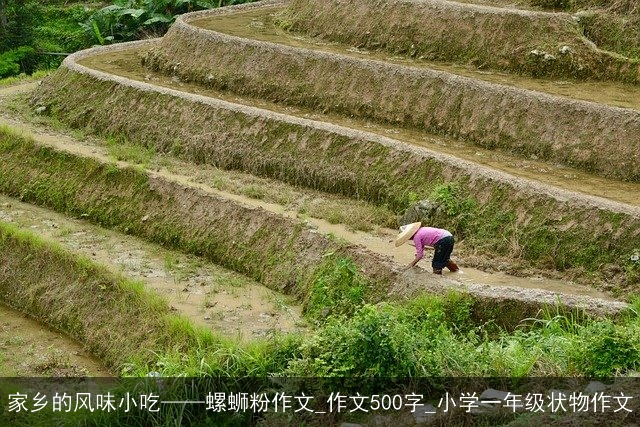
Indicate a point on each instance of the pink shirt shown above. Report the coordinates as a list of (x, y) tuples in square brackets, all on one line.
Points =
[(427, 236)]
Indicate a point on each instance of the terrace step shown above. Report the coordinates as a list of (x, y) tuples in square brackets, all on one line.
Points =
[(240, 50), (339, 142), (321, 155), (371, 252), (207, 294)]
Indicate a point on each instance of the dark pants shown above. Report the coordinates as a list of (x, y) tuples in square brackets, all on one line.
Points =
[(442, 254)]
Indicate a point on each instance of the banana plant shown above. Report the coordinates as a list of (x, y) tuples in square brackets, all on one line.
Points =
[(126, 20)]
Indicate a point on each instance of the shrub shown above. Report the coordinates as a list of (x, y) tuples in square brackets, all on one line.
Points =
[(132, 19), (377, 341), (337, 289), (10, 61), (609, 349)]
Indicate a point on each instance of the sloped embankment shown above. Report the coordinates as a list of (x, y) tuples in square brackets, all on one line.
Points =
[(580, 232), (86, 301), (280, 252), (539, 44), (589, 136)]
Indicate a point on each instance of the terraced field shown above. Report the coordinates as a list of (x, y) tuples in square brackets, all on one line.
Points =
[(239, 164)]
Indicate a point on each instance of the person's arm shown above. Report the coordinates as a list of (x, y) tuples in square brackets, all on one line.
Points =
[(414, 262), (419, 252)]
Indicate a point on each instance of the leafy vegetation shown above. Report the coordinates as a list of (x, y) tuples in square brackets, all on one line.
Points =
[(42, 32), (434, 337), (338, 290), (126, 20), (36, 35), (11, 60)]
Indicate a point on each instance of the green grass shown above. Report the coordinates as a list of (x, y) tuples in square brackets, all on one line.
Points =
[(23, 78), (121, 149), (428, 336)]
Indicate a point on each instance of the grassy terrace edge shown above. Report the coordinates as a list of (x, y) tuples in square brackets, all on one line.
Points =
[(528, 42), (596, 138), (131, 330), (548, 228), (281, 253), (70, 293)]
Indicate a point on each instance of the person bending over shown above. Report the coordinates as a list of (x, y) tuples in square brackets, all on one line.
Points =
[(440, 239)]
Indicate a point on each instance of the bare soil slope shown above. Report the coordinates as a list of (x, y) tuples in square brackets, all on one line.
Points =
[(593, 137), (516, 40)]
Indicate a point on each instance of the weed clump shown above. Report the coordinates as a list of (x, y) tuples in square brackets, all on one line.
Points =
[(337, 289)]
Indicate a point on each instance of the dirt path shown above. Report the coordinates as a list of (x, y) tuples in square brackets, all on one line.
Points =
[(379, 242)]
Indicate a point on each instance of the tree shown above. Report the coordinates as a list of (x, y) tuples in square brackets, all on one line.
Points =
[(16, 36), (16, 23)]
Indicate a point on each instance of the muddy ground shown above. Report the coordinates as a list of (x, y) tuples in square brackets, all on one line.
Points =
[(205, 293), (31, 349), (228, 302), (378, 239)]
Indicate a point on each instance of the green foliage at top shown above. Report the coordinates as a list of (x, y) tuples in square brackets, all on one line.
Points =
[(17, 18), (126, 20), (59, 27), (45, 29)]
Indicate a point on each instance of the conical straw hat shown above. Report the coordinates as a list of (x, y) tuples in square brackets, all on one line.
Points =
[(406, 232)]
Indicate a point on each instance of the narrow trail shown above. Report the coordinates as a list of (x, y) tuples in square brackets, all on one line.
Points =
[(380, 242)]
